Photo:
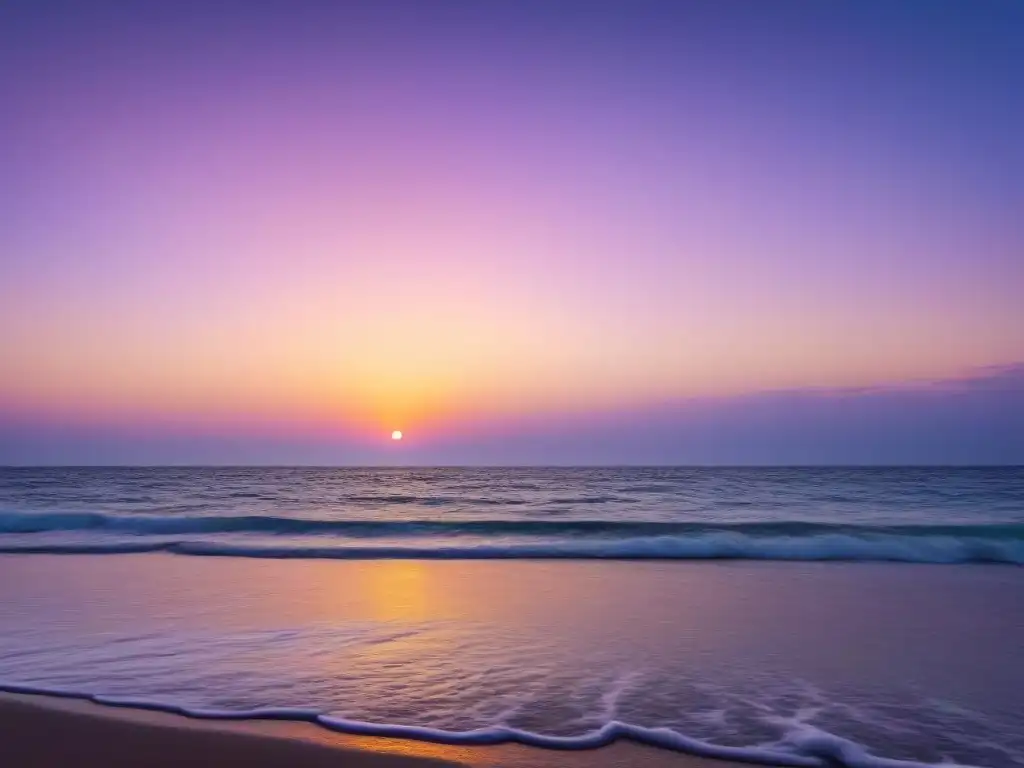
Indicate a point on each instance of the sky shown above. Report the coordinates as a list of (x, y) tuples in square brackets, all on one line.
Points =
[(719, 231)]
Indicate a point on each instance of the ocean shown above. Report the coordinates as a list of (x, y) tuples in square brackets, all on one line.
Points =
[(795, 616)]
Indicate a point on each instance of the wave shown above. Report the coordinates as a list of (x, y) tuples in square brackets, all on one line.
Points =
[(432, 501), (723, 547), (38, 522), (802, 746), (278, 537)]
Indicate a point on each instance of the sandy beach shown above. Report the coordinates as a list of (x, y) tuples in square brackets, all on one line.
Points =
[(45, 732), (734, 654)]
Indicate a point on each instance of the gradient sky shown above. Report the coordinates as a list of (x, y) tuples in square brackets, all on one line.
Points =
[(531, 232)]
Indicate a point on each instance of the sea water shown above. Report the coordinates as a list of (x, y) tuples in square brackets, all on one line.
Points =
[(699, 632), (911, 515)]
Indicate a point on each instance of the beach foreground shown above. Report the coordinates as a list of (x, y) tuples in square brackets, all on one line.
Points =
[(45, 732), (802, 664)]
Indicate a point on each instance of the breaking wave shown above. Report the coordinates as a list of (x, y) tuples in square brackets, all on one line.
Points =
[(290, 537)]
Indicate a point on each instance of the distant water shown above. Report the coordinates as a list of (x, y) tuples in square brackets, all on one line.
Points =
[(937, 515), (686, 638)]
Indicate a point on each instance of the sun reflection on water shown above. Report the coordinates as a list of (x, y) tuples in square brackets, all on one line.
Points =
[(398, 591)]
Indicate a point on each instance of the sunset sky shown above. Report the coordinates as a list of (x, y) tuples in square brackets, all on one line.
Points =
[(519, 231)]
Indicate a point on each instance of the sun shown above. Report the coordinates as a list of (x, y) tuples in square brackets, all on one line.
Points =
[(396, 435)]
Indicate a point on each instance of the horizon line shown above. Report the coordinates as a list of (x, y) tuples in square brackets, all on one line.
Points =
[(824, 465)]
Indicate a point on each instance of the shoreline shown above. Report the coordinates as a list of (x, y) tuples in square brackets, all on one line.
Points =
[(376, 644), (49, 730)]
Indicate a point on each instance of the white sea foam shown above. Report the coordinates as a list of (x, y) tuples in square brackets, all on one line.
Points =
[(803, 746)]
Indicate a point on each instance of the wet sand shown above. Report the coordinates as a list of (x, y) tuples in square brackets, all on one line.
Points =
[(911, 662), (47, 732)]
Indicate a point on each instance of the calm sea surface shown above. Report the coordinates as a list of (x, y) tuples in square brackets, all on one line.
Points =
[(926, 515)]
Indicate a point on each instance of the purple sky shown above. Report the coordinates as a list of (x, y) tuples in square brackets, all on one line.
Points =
[(522, 232)]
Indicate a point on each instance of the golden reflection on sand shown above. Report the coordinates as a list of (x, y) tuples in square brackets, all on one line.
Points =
[(399, 590)]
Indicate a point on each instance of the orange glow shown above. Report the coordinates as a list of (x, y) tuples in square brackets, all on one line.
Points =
[(397, 590)]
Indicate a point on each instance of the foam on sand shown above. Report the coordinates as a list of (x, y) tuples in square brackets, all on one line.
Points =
[(803, 746)]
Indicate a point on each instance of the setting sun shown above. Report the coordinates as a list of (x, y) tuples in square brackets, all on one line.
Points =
[(396, 435)]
